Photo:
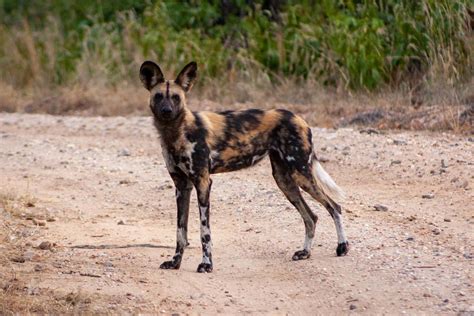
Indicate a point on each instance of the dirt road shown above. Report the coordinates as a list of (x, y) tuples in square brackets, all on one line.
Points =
[(97, 190)]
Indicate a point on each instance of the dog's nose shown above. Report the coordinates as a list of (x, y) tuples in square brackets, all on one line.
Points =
[(166, 111)]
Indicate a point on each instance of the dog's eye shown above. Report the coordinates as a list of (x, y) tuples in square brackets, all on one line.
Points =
[(175, 98), (158, 97)]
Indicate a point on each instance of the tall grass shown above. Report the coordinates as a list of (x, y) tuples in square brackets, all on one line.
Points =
[(351, 44)]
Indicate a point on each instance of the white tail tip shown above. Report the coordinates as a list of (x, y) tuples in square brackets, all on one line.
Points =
[(327, 183)]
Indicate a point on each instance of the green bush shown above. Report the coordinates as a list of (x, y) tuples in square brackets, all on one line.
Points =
[(351, 43)]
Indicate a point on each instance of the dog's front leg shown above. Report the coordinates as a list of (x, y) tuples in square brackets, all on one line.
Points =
[(183, 192), (203, 188)]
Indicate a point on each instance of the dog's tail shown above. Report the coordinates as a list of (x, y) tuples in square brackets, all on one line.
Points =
[(325, 182)]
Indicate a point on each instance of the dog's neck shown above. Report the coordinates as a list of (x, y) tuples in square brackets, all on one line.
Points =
[(173, 132)]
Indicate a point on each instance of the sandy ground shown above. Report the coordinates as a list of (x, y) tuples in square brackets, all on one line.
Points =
[(97, 190)]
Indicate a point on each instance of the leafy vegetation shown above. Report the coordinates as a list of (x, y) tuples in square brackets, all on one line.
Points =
[(353, 44)]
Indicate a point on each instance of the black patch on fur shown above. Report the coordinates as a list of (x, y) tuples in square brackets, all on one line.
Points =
[(239, 122), (206, 238), (287, 143), (157, 98)]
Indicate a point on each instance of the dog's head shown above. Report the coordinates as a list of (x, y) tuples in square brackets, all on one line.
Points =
[(167, 97)]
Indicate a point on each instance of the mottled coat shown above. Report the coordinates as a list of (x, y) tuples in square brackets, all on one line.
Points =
[(198, 144)]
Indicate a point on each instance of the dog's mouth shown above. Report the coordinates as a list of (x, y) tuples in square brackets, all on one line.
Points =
[(167, 116), (162, 115)]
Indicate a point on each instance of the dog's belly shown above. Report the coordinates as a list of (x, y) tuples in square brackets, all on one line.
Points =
[(225, 163)]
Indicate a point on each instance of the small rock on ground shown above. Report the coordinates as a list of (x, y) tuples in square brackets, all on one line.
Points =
[(45, 245), (380, 208)]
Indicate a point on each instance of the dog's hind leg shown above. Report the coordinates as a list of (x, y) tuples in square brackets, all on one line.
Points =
[(315, 186), (287, 185), (183, 192)]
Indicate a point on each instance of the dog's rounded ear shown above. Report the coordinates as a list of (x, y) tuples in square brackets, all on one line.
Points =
[(187, 76), (151, 74)]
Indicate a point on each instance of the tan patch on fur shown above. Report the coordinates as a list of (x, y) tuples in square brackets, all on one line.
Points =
[(303, 129), (268, 121), (229, 153), (311, 186), (215, 125), (203, 186), (301, 180), (189, 118), (173, 89), (308, 185)]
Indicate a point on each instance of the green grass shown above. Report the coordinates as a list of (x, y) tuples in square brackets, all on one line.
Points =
[(356, 45)]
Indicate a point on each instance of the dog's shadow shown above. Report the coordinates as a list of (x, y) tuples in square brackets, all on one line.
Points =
[(112, 246)]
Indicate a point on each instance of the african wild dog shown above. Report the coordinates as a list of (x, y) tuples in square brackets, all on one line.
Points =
[(198, 144)]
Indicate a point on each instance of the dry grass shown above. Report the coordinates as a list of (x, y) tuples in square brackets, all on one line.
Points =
[(15, 299), (17, 295), (14, 204), (76, 100), (10, 99), (12, 207), (432, 106), (10, 248)]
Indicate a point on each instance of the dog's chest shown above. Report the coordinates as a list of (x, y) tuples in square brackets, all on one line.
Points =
[(180, 158)]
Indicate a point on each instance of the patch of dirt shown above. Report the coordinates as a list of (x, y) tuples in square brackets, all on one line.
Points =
[(99, 218)]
